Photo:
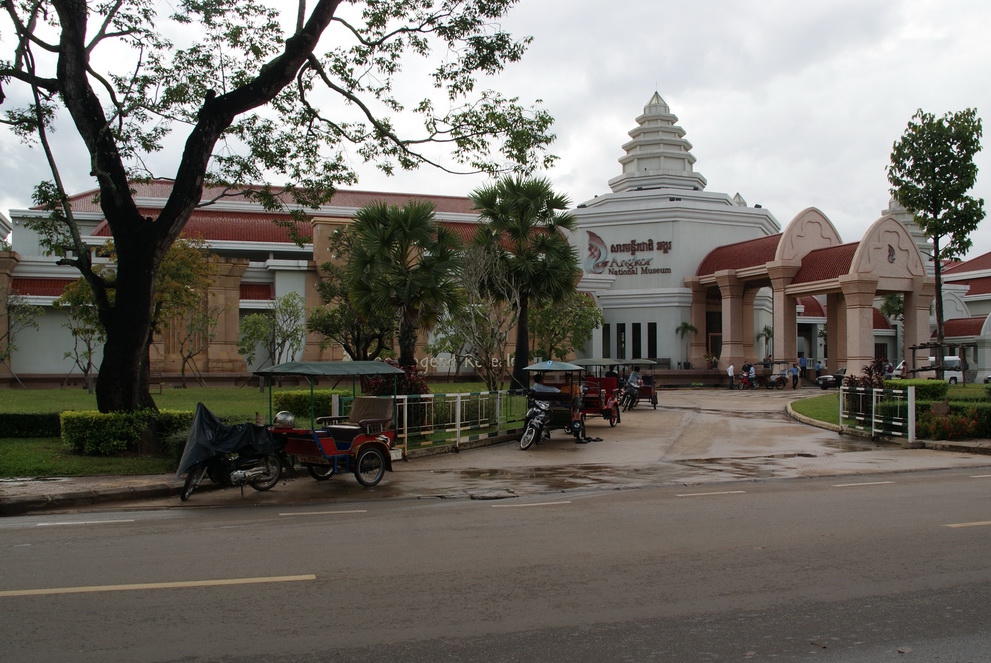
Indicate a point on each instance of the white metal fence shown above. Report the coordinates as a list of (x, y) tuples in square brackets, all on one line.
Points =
[(881, 412), (428, 420)]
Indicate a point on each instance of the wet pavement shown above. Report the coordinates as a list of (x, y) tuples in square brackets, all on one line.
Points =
[(693, 437)]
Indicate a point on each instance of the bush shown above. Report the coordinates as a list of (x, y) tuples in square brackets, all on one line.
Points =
[(952, 426), (99, 434), (38, 424), (298, 402), (925, 390)]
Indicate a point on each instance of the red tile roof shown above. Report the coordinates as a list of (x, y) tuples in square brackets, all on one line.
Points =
[(827, 263), (979, 286), (962, 327), (39, 287), (813, 307), (741, 255), (257, 291), (880, 322), (84, 202), (979, 263)]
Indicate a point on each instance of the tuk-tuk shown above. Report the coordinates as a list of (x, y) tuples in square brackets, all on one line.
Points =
[(361, 442)]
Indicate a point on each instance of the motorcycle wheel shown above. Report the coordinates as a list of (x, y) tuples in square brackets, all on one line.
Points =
[(780, 384), (529, 437), (320, 472), (614, 417), (273, 470), (370, 466), (193, 478)]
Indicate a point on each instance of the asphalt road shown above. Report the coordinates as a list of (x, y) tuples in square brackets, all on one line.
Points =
[(883, 567)]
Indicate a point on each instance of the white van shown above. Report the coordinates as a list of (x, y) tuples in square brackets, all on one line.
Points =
[(953, 370)]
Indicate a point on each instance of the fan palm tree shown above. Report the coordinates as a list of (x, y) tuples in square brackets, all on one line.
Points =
[(402, 261), (524, 218)]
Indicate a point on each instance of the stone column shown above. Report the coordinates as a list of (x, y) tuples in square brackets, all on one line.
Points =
[(785, 318), (747, 325), (916, 324), (224, 298), (859, 294), (731, 292), (8, 261), (835, 331), (696, 352)]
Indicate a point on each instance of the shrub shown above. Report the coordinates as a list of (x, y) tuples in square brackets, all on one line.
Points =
[(44, 424), (99, 434), (952, 426), (298, 401)]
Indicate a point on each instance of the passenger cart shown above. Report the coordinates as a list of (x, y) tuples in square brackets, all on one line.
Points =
[(550, 410), (361, 443), (600, 397)]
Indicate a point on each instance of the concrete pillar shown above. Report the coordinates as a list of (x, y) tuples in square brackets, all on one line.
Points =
[(224, 299), (916, 324), (8, 261), (859, 294), (731, 293), (785, 318), (697, 348), (835, 331), (748, 331)]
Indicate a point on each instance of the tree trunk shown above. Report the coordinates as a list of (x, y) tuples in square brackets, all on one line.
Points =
[(522, 358), (122, 384)]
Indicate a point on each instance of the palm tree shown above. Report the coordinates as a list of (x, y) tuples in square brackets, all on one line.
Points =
[(683, 330), (525, 217), (402, 261)]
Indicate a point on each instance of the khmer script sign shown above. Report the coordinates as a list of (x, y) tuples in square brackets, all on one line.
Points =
[(633, 258)]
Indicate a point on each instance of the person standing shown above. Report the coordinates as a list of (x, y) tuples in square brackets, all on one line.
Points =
[(818, 368), (794, 376), (803, 365), (731, 372)]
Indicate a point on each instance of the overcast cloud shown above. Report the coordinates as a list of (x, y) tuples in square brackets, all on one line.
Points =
[(791, 104)]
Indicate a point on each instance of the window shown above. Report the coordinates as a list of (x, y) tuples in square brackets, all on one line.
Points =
[(651, 340), (621, 340), (635, 350), (606, 341)]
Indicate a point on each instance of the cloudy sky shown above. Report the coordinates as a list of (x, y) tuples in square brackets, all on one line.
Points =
[(791, 104)]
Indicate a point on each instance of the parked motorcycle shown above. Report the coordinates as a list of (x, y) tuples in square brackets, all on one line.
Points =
[(630, 397), (541, 417), (228, 455)]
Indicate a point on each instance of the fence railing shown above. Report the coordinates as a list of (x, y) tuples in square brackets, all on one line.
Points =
[(430, 420), (880, 412)]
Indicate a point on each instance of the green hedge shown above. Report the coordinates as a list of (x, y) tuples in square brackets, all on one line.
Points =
[(44, 424), (97, 434), (298, 401), (925, 390)]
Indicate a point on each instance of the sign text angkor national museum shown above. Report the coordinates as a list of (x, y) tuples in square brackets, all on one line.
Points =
[(624, 259)]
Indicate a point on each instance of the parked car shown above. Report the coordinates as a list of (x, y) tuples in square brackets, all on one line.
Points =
[(831, 380)]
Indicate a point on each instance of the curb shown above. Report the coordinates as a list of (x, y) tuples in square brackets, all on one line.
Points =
[(19, 505)]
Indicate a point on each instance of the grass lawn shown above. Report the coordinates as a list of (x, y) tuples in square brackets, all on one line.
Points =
[(821, 408), (48, 457)]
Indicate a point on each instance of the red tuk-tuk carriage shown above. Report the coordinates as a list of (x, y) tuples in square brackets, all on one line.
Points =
[(361, 443)]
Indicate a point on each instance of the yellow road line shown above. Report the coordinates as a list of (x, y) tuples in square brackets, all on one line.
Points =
[(723, 492), (321, 513), (516, 506), (153, 585), (865, 483)]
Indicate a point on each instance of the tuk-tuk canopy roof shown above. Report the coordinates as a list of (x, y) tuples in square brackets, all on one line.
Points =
[(553, 366), (330, 368)]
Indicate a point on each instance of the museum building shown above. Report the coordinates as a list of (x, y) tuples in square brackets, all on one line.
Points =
[(661, 256)]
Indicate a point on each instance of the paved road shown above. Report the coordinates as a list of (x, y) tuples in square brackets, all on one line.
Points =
[(869, 569)]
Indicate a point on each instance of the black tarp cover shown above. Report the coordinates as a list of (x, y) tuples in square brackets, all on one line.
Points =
[(209, 436)]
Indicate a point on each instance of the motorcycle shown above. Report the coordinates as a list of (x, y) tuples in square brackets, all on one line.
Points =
[(228, 455), (630, 397), (540, 419)]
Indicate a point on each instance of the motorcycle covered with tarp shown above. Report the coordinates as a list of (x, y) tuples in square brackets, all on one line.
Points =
[(230, 455)]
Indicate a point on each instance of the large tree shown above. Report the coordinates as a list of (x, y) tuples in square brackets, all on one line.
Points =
[(932, 170), (403, 261), (251, 99), (526, 219)]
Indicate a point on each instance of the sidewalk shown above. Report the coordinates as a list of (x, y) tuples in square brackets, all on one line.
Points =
[(693, 437)]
